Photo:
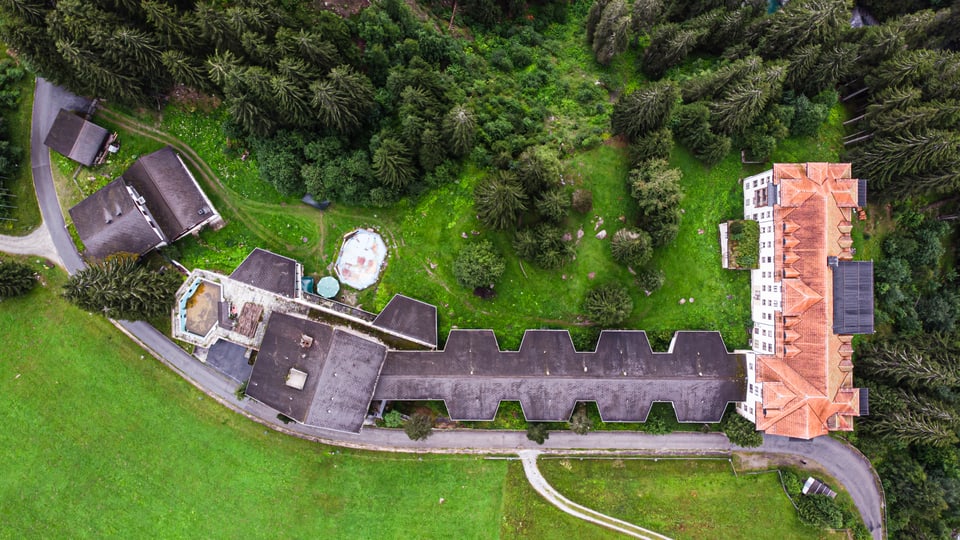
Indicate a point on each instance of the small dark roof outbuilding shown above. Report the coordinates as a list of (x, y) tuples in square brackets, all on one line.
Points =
[(109, 222), (76, 138), (411, 318), (170, 192), (269, 271)]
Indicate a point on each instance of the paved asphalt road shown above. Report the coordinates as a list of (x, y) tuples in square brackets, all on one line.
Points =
[(842, 462), (47, 102)]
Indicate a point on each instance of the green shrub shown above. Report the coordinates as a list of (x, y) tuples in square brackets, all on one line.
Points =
[(418, 427), (393, 419), (650, 279), (792, 483), (608, 305), (15, 279), (582, 200), (632, 247), (478, 265), (241, 391), (820, 511), (537, 432), (740, 431)]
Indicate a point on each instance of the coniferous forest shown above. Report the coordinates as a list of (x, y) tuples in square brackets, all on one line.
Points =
[(392, 101)]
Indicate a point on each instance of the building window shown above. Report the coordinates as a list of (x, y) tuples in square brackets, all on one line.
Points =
[(751, 388)]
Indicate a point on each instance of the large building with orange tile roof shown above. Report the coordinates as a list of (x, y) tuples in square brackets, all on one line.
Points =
[(808, 298)]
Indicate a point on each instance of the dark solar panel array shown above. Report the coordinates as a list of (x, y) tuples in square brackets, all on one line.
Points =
[(853, 297)]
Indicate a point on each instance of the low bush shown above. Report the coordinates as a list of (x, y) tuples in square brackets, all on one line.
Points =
[(582, 200), (608, 305), (393, 419), (418, 427), (478, 265), (820, 511), (537, 432)]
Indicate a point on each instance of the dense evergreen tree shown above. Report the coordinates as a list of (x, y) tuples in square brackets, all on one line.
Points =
[(656, 188), (16, 279), (459, 128), (632, 247), (499, 200), (669, 46), (612, 32), (913, 163), (120, 288), (645, 110), (392, 164), (478, 265)]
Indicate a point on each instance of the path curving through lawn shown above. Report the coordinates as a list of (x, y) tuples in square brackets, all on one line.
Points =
[(540, 484)]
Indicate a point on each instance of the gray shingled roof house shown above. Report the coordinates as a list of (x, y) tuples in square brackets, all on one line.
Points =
[(170, 192), (110, 221), (155, 202), (76, 138)]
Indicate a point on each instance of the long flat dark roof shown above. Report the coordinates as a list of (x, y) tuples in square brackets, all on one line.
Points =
[(548, 376), (853, 297), (268, 271), (341, 371), (109, 222), (75, 137), (409, 317)]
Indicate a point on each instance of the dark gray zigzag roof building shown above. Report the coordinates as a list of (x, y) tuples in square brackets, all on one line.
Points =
[(548, 376)]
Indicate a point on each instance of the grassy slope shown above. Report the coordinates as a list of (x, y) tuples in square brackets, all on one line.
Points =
[(682, 499), (99, 441)]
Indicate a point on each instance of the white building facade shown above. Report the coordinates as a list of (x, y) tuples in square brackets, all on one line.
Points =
[(766, 297)]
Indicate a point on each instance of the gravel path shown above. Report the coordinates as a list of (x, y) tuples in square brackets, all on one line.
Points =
[(38, 243), (540, 484)]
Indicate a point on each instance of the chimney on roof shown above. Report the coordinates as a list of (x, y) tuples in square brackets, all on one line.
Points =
[(117, 209), (106, 217), (305, 341)]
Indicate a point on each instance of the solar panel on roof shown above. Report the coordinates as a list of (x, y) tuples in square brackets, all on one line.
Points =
[(853, 297)]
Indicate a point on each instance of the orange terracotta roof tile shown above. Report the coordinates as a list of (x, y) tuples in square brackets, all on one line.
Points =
[(798, 297), (809, 362)]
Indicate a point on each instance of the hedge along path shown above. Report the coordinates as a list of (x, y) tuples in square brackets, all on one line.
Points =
[(226, 195)]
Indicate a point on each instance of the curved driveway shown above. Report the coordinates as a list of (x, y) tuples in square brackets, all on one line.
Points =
[(36, 243), (841, 461)]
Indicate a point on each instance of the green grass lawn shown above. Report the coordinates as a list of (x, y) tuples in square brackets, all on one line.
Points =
[(681, 498), (528, 515), (100, 440)]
